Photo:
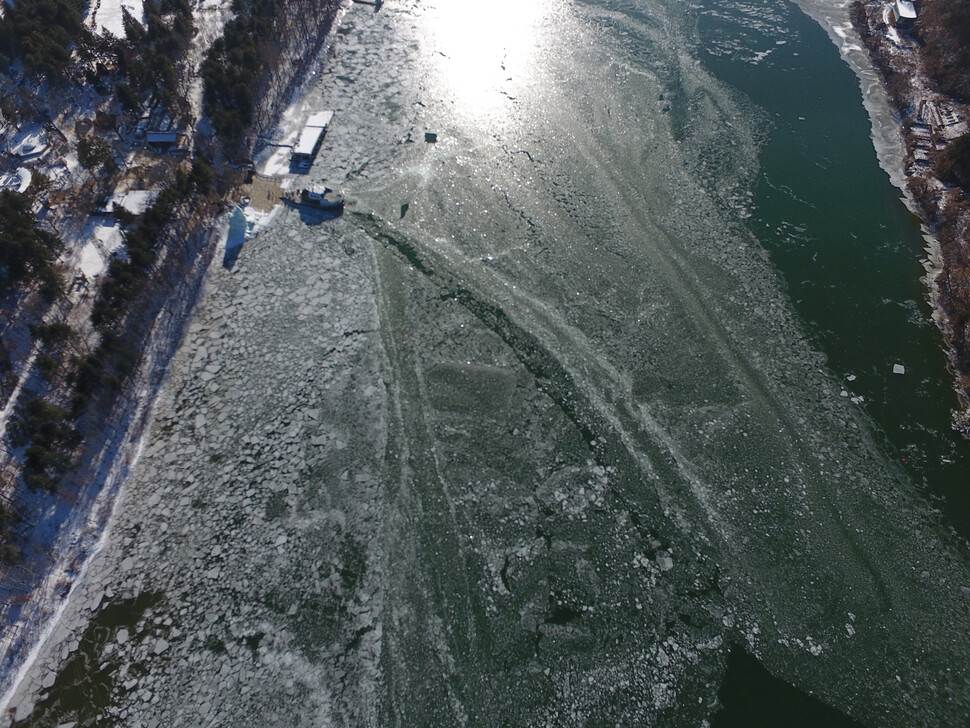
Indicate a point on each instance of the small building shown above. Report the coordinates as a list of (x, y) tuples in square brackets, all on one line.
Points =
[(311, 137), (162, 141), (904, 14)]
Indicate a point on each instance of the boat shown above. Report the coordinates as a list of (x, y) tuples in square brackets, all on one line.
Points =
[(314, 200)]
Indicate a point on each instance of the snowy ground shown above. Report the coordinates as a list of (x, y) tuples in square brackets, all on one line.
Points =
[(210, 17), (135, 201), (101, 237), (105, 16)]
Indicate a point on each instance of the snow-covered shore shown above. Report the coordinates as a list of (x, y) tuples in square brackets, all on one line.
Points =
[(928, 121), (84, 525), (894, 142), (887, 136), (70, 543)]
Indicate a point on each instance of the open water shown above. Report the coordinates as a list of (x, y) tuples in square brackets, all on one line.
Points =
[(583, 413)]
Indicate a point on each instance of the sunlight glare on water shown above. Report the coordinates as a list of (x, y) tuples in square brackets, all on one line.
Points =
[(485, 52)]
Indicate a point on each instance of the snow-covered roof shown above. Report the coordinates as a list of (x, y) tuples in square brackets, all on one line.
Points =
[(308, 140), (320, 119), (29, 143), (19, 180), (905, 10), (310, 136), (162, 137)]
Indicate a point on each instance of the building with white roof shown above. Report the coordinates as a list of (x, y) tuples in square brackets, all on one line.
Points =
[(310, 138), (904, 13)]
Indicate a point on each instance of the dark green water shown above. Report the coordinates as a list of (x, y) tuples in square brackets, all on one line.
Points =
[(849, 251), (752, 698)]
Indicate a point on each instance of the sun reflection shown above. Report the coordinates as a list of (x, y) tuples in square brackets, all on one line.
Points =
[(485, 52)]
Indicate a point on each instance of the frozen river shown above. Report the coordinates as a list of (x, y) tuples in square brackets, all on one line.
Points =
[(556, 417)]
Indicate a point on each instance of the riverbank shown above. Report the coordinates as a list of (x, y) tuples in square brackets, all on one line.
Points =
[(930, 121), (70, 525), (66, 536)]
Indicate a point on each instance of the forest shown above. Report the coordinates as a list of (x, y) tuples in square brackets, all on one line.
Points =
[(943, 30), (232, 69), (41, 33), (27, 253)]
